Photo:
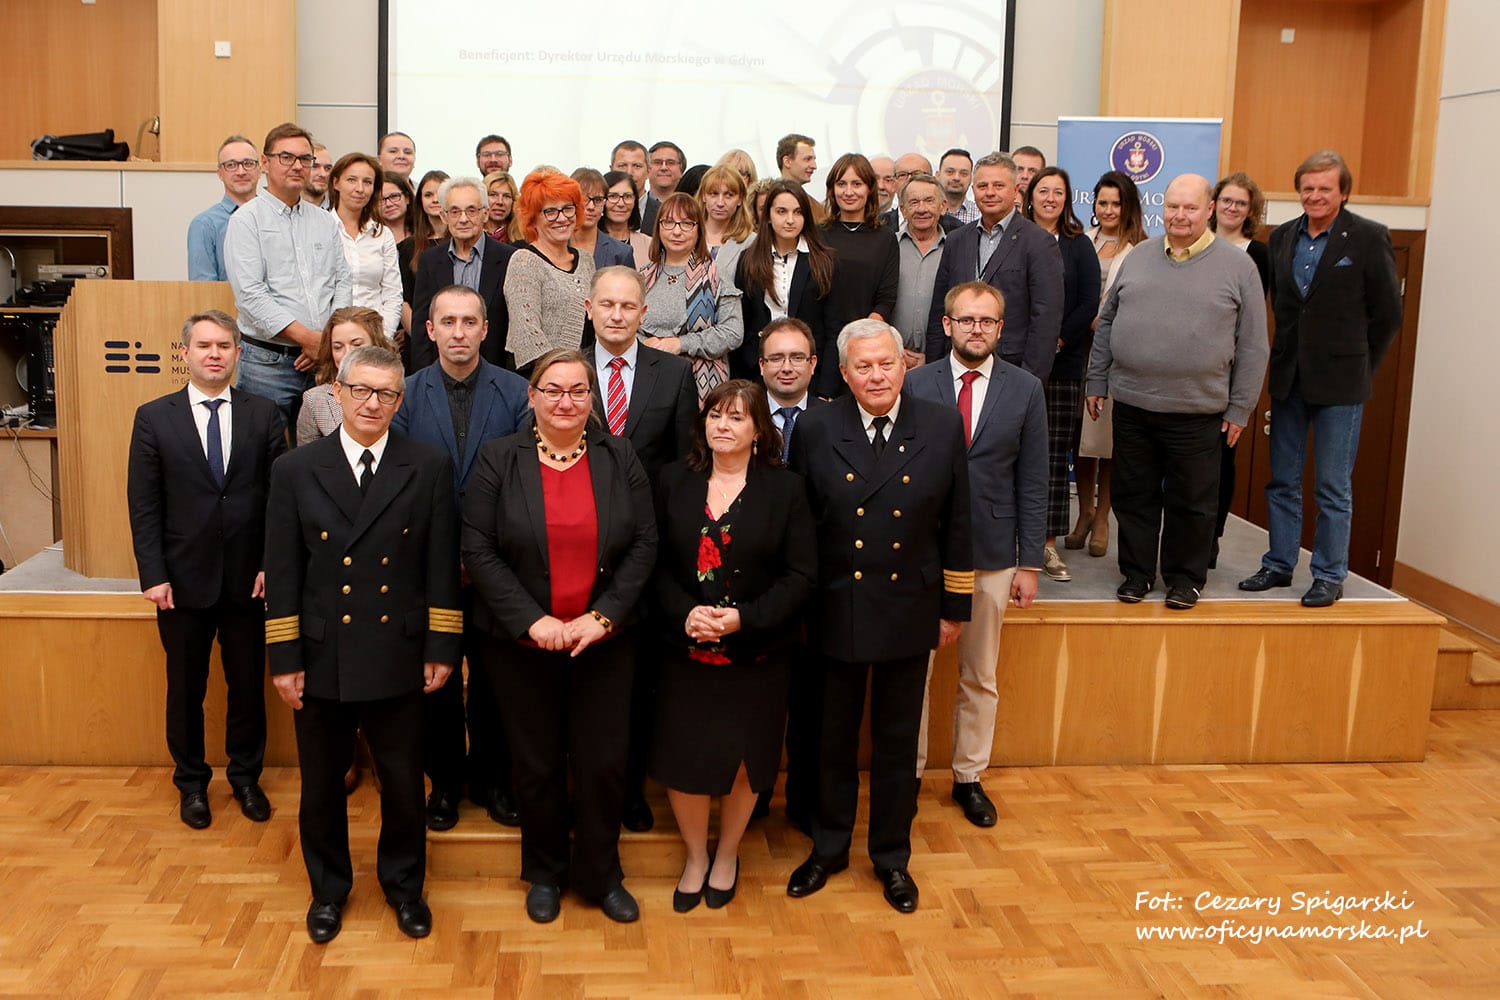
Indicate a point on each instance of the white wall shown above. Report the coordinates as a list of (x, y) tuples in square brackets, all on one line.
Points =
[(1448, 508)]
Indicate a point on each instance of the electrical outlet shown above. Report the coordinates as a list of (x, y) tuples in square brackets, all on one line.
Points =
[(221, 50)]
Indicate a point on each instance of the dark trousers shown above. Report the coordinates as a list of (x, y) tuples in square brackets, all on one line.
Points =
[(485, 761), (646, 676), (187, 636), (567, 717), (804, 733), (325, 746), (1164, 481), (896, 690), (1227, 474)]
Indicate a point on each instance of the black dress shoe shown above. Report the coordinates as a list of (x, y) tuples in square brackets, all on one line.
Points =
[(1133, 591), (977, 807), (543, 902), (637, 816), (194, 810), (442, 810), (812, 874), (619, 905), (900, 890), (253, 803), (1322, 594), (717, 899), (501, 806), (1265, 579), (324, 920), (413, 917), (683, 902), (1181, 598)]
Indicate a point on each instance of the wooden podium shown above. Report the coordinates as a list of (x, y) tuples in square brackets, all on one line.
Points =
[(116, 347)]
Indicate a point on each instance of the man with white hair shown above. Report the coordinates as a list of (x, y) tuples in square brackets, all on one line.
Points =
[(471, 258), (888, 480)]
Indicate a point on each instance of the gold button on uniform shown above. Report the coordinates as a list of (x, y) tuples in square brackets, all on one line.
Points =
[(346, 588), (858, 575), (849, 476), (895, 513), (346, 619), (896, 546), (386, 560), (405, 531), (859, 512), (385, 590), (324, 536), (895, 577), (859, 543), (906, 479), (384, 619), (348, 561)]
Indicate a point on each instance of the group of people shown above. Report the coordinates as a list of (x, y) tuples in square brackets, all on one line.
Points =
[(683, 466)]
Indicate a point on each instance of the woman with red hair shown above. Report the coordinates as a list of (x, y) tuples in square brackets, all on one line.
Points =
[(547, 280)]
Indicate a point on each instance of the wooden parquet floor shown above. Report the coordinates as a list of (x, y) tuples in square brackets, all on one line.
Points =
[(103, 893)]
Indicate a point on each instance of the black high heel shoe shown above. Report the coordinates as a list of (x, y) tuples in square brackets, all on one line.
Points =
[(682, 902), (719, 898)]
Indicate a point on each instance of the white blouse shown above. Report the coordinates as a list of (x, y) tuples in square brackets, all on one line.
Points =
[(376, 272)]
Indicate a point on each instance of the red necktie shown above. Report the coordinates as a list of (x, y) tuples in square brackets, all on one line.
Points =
[(966, 405), (614, 410)]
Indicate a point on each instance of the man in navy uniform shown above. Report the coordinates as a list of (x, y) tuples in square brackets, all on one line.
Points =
[(362, 618), (889, 486)]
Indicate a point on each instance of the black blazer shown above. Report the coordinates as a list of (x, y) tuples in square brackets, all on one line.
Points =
[(505, 532), (435, 273), (1080, 306), (1351, 314), (773, 558), (894, 552), (206, 542), (663, 406), (361, 591), (803, 302), (1027, 268)]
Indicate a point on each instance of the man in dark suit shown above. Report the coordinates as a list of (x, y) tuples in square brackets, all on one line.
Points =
[(457, 405), (200, 464), (1337, 304), (889, 487), (649, 398), (362, 618), (1004, 414), (470, 258), (1005, 249)]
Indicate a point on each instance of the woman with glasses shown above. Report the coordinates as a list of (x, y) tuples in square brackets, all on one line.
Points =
[(394, 211), (346, 329), (369, 247), (1049, 203), (605, 250), (502, 223), (867, 262), (548, 280), (786, 271), (690, 308), (559, 538), (1239, 210), (727, 223), (622, 216), (738, 563)]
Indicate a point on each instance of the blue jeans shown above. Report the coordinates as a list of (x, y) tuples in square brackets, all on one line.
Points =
[(1335, 434), (275, 377)]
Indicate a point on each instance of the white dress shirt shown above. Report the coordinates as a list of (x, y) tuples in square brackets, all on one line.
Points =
[(977, 391), (602, 358), (196, 397), (376, 272), (868, 419), (782, 266), (353, 451)]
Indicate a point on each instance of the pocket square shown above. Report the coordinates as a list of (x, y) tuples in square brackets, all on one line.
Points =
[(1346, 262)]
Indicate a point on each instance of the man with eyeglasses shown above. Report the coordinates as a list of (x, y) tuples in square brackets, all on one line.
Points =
[(471, 258), (315, 193), (239, 171), (665, 163), (362, 618), (1004, 413), (492, 153), (286, 265)]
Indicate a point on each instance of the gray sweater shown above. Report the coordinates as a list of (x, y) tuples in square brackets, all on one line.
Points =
[(1183, 337)]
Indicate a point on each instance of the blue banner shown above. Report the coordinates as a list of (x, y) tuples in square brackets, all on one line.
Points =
[(1150, 151)]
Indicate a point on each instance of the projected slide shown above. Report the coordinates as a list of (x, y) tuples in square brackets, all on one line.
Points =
[(565, 81)]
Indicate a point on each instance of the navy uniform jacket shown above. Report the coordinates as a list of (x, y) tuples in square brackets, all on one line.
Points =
[(1007, 461), (894, 553), (362, 591)]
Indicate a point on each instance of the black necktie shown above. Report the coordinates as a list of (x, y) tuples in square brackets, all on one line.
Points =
[(788, 420), (215, 442), (878, 442), (368, 461)]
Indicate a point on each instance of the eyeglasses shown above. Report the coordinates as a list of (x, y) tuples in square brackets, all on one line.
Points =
[(678, 224), (395, 196), (988, 324), (551, 212), (471, 212), (619, 198), (233, 165), (595, 201), (360, 393), (777, 360), (1234, 203), (902, 175), (577, 394), (288, 159), (670, 161)]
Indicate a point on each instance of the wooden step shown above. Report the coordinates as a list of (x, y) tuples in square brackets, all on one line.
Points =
[(1484, 669)]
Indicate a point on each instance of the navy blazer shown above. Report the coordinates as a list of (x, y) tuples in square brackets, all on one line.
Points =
[(1027, 268), (609, 251), (500, 408), (1351, 314), (803, 302), (1080, 306), (435, 273), (1007, 461)]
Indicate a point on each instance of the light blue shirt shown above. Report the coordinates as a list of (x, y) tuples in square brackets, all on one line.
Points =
[(286, 263), (466, 272), (205, 242), (602, 358)]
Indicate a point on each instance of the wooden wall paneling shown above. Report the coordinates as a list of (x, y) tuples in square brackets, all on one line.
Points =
[(1208, 695), (1197, 36), (1032, 662), (1389, 716), (1429, 86), (205, 98), (1108, 702), (72, 67), (1304, 704), (1396, 41)]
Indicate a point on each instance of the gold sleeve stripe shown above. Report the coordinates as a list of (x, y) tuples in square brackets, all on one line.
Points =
[(445, 620), (957, 581), (283, 629)]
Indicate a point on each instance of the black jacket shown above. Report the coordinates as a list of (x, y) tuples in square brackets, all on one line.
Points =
[(663, 406), (435, 273), (803, 302)]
